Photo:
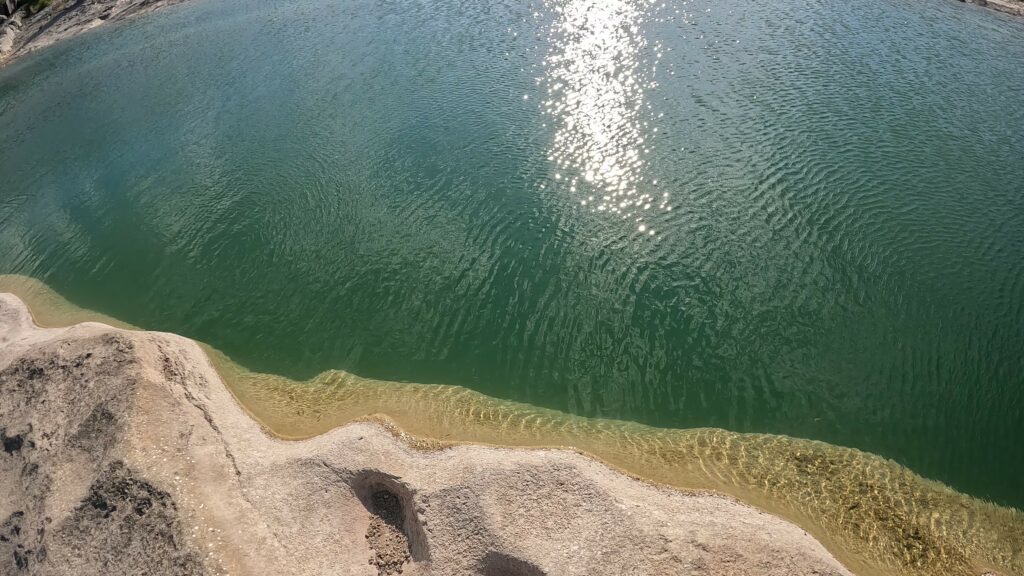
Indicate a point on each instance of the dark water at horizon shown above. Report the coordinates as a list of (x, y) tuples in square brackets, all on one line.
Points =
[(804, 219)]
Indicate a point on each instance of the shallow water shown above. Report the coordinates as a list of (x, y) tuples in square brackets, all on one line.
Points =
[(789, 218), (877, 517)]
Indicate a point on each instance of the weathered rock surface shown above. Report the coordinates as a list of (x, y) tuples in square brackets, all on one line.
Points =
[(124, 454), (1015, 7), (66, 18)]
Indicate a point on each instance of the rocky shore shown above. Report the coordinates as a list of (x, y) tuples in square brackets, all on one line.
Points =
[(62, 19), (21, 33), (1015, 7), (124, 454)]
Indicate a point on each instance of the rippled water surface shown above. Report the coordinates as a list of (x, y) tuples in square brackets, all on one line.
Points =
[(787, 217)]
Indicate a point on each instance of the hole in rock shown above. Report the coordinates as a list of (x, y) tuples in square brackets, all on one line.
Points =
[(395, 534)]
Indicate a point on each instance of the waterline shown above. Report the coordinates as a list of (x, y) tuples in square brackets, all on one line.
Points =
[(874, 515)]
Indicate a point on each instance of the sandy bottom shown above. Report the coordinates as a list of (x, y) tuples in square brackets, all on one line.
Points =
[(875, 516), (124, 454)]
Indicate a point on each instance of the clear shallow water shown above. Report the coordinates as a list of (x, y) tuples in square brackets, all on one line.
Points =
[(465, 193), (877, 517)]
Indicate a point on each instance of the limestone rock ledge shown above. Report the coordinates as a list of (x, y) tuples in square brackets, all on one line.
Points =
[(63, 19), (1014, 7), (123, 453)]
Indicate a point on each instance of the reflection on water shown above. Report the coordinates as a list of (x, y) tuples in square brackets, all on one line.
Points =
[(368, 189), (595, 86), (395, 189), (877, 517)]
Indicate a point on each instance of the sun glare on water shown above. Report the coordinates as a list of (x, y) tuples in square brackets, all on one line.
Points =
[(595, 92)]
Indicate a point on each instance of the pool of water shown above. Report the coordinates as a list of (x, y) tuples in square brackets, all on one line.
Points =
[(785, 217)]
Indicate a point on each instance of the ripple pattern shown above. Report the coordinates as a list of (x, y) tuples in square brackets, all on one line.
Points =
[(799, 219)]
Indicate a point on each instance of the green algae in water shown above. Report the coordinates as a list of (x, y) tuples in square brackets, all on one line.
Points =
[(876, 516)]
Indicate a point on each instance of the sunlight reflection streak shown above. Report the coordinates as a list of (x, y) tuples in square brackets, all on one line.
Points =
[(595, 94)]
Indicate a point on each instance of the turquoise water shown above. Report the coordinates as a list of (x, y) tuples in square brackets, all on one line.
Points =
[(781, 217)]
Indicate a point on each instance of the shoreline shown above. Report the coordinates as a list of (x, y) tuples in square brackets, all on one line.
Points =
[(874, 516), (59, 21), (124, 451), (1011, 7)]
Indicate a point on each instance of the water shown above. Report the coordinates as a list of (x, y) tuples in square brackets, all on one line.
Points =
[(789, 218), (877, 517)]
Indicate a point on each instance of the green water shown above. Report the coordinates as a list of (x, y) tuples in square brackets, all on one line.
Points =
[(805, 219)]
